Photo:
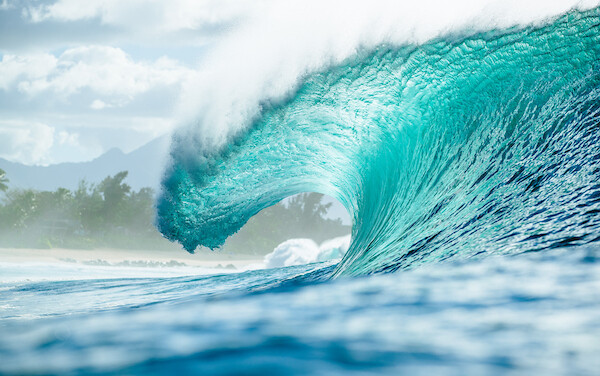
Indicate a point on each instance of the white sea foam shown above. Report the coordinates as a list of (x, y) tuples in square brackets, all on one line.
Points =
[(39, 271), (334, 249), (292, 252), (264, 57), (305, 251)]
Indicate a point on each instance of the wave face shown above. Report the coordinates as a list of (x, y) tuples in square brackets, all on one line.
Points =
[(488, 144)]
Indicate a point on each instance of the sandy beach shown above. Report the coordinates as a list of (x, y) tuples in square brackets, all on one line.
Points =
[(120, 257)]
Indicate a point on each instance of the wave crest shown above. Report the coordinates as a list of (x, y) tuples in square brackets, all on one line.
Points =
[(453, 148)]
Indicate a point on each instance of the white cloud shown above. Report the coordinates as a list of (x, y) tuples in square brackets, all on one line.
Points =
[(48, 96), (73, 139), (107, 71), (5, 5), (99, 105), (68, 139), (151, 127), (25, 142), (26, 68), (149, 15)]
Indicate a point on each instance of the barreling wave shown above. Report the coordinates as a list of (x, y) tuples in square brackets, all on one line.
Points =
[(487, 144)]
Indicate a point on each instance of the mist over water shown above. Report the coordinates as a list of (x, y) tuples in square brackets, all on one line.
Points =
[(270, 52)]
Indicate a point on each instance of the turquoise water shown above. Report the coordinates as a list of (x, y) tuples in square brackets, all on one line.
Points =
[(462, 147), (471, 168)]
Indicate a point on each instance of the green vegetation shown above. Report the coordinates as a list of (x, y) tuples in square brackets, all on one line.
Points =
[(301, 217), (109, 214), (112, 215), (3, 181)]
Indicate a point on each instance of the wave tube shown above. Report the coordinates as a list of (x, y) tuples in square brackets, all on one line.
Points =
[(488, 144)]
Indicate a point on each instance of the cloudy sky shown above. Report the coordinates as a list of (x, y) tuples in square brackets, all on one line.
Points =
[(79, 77)]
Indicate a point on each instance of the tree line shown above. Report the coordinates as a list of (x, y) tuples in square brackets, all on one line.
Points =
[(113, 215), (108, 214)]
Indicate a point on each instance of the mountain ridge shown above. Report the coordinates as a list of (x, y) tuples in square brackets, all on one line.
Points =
[(144, 164)]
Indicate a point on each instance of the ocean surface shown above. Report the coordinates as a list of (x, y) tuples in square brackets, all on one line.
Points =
[(470, 165), (535, 313)]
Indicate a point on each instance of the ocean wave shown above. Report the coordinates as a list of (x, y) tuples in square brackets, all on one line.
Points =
[(454, 148)]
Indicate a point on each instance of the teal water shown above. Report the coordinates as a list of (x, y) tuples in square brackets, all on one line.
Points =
[(461, 147)]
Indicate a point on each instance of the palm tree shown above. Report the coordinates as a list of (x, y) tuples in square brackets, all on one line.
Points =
[(3, 181)]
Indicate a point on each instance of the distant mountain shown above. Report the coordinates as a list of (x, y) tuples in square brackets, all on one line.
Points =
[(145, 167)]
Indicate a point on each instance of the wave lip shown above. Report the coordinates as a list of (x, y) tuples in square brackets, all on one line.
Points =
[(455, 148)]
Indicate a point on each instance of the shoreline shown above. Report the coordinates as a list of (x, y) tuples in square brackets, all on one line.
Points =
[(120, 257)]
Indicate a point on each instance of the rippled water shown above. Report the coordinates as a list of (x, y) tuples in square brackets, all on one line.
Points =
[(536, 313)]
